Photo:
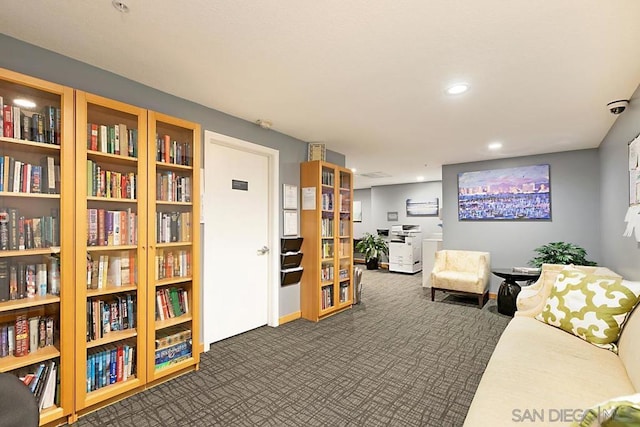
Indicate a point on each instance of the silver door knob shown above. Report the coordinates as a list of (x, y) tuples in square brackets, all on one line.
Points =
[(263, 250)]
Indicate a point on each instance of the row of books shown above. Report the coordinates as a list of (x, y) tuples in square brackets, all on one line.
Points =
[(21, 280), (43, 380), (326, 297), (344, 248), (345, 181), (173, 354), (26, 335), (327, 249), (172, 335), (327, 178), (172, 263), (110, 365), (115, 269), (326, 272), (25, 124), (326, 227), (343, 273), (112, 139), (173, 227), (115, 314), (326, 201), (171, 302), (111, 228), (19, 233), (21, 177), (344, 291), (344, 203), (177, 153), (171, 187), (344, 227), (110, 184)]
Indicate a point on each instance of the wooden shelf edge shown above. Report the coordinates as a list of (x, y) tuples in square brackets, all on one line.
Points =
[(10, 363), (111, 337), (110, 289), (166, 323), (51, 414), (18, 304), (110, 391)]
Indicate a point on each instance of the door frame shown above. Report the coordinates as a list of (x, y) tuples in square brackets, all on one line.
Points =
[(273, 158)]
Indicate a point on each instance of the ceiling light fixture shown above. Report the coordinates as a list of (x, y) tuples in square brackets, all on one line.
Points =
[(264, 124), (353, 170), (495, 146), (120, 6), (457, 88), (24, 103), (420, 178)]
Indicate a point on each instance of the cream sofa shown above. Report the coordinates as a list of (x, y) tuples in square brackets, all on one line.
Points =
[(540, 375)]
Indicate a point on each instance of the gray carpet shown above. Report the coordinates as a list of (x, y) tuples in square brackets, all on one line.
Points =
[(396, 359)]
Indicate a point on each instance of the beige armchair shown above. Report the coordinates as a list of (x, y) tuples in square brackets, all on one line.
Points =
[(463, 272)]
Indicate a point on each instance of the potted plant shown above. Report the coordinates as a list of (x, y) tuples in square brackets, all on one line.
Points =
[(373, 247), (560, 253)]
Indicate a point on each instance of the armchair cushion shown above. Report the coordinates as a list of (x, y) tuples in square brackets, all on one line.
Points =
[(592, 307)]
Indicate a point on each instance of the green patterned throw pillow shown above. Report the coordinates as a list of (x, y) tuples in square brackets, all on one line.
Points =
[(590, 306), (618, 412)]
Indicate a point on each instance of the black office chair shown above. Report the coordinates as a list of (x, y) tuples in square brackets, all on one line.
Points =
[(18, 406)]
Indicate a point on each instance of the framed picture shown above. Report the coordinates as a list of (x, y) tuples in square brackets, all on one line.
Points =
[(521, 193), (357, 211), (392, 216), (289, 196), (420, 207)]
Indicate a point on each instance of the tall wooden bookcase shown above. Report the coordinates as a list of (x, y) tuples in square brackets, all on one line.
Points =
[(111, 249), (173, 294), (327, 229), (40, 198)]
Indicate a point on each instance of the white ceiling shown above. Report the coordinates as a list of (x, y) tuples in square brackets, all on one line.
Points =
[(367, 77)]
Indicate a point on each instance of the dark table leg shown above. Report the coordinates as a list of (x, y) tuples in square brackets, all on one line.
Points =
[(507, 294)]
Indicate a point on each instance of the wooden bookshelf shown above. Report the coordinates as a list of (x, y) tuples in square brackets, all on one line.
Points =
[(174, 218), (53, 141), (112, 190), (327, 244)]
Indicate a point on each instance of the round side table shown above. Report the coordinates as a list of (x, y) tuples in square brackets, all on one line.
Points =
[(509, 288)]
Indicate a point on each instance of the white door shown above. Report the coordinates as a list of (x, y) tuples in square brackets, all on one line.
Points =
[(238, 242)]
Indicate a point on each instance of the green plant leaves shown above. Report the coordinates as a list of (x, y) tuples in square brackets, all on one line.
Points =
[(560, 253), (372, 246)]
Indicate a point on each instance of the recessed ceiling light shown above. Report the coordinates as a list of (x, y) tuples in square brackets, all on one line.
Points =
[(457, 89), (420, 178), (120, 6), (353, 170), (495, 146), (24, 103)]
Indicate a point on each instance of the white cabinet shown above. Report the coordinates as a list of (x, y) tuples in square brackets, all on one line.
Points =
[(429, 249)]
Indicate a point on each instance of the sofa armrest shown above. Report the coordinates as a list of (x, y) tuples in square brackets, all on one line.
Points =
[(530, 304)]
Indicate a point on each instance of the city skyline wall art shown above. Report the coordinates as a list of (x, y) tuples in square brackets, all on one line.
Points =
[(520, 193)]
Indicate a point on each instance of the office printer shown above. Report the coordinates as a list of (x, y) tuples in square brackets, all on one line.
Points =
[(405, 249)]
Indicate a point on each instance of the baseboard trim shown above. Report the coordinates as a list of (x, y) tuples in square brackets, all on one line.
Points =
[(289, 317)]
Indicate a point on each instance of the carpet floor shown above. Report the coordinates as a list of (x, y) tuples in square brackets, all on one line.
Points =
[(395, 359)]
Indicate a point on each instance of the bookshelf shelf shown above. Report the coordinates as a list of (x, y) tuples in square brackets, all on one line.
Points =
[(111, 158), (10, 363), (177, 141), (29, 195), (110, 289), (31, 146), (28, 302), (50, 414), (112, 391), (324, 229), (38, 158), (171, 166), (113, 336), (173, 281), (28, 252), (110, 248), (111, 200), (167, 323)]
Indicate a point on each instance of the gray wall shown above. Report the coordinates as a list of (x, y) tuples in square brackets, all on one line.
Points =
[(621, 254), (366, 226), (34, 61), (575, 211)]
